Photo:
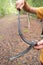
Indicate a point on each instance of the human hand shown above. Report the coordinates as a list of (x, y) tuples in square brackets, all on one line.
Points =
[(39, 45), (20, 4)]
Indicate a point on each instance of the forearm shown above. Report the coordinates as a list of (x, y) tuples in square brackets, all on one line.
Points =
[(29, 8)]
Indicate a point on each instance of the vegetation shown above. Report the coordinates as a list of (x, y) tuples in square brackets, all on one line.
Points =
[(8, 6)]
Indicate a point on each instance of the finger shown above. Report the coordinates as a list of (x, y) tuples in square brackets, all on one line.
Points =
[(17, 4), (40, 42), (21, 6), (38, 47)]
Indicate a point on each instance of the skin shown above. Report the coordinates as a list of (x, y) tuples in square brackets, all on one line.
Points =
[(39, 45), (22, 4)]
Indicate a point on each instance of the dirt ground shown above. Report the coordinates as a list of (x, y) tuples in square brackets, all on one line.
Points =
[(11, 43)]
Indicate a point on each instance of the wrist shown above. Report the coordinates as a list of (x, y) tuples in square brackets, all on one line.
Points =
[(26, 6)]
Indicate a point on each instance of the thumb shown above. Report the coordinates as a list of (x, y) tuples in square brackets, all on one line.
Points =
[(40, 42)]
